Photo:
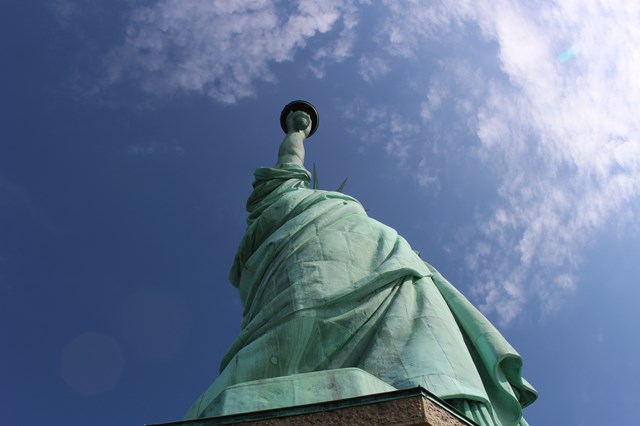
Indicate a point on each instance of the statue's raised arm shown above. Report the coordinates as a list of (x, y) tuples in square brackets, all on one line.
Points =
[(299, 120), (292, 147)]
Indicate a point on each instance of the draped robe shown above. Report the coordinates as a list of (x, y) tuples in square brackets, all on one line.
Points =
[(324, 286)]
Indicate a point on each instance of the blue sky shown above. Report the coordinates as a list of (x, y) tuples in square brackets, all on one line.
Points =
[(499, 138)]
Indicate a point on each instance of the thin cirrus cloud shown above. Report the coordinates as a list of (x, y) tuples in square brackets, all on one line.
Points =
[(560, 130), (220, 48), (377, 125), (373, 68)]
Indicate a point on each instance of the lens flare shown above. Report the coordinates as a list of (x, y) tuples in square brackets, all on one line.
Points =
[(568, 54)]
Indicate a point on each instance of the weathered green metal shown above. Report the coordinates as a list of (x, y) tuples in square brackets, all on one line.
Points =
[(296, 389), (326, 287)]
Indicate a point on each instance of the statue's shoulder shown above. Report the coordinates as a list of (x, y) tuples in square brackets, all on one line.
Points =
[(282, 172)]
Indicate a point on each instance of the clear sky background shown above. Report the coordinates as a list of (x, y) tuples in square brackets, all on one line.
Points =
[(500, 138)]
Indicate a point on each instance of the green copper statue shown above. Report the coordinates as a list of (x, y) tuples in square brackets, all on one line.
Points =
[(327, 289)]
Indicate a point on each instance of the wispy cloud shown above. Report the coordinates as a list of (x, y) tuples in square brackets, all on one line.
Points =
[(220, 48), (426, 179), (341, 46), (410, 22), (395, 134), (63, 11), (147, 149), (436, 95), (373, 67), (68, 12), (561, 135), (377, 125)]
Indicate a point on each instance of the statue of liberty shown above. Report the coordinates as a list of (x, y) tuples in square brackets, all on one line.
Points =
[(326, 287)]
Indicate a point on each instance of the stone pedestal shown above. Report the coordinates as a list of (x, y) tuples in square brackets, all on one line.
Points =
[(409, 407)]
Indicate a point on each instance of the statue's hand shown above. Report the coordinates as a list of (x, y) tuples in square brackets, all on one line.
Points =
[(298, 121)]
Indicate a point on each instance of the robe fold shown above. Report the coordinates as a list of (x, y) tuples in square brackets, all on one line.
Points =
[(324, 286)]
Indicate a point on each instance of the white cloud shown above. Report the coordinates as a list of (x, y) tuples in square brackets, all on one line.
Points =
[(410, 22), (373, 68), (220, 48), (63, 11), (425, 179), (438, 91), (341, 47), (560, 131), (141, 150), (399, 136), (377, 125), (148, 149), (69, 15)]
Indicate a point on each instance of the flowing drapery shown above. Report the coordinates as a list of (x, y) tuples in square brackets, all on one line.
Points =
[(324, 286)]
